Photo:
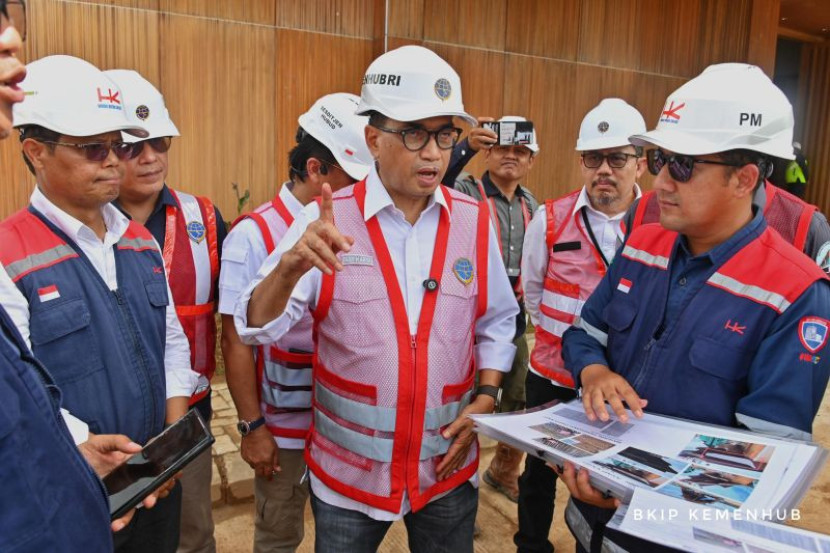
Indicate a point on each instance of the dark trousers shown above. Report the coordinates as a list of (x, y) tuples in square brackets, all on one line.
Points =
[(537, 484), (442, 526), (153, 530)]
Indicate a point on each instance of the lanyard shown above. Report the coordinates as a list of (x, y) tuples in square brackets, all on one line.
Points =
[(592, 237)]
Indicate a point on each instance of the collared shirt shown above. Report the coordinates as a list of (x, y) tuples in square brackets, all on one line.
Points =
[(243, 254), (510, 215), (411, 248), (606, 228), (180, 380)]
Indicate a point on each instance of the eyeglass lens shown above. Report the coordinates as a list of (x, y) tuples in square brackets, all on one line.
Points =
[(680, 166), (415, 139), (616, 160)]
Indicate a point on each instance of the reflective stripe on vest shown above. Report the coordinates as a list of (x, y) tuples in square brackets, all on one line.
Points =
[(37, 261), (756, 293), (652, 260)]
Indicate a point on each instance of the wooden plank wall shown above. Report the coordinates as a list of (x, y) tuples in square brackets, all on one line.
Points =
[(813, 129), (237, 73)]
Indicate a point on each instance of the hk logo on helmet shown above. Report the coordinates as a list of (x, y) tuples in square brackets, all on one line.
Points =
[(443, 89), (109, 100), (142, 112), (670, 114), (812, 331), (196, 231)]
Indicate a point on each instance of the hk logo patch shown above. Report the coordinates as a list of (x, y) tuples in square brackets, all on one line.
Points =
[(812, 331), (463, 270), (196, 231)]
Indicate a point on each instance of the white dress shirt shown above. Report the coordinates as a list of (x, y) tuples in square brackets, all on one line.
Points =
[(606, 229), (243, 251), (411, 248), (180, 379)]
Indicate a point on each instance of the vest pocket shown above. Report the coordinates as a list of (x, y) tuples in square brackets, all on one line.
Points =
[(619, 314), (63, 340), (719, 360), (157, 293)]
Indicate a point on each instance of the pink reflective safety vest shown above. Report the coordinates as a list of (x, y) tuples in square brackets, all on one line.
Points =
[(381, 395), (284, 367), (786, 213), (575, 267), (191, 257)]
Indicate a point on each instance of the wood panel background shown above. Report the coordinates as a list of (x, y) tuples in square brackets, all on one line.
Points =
[(236, 74), (813, 129)]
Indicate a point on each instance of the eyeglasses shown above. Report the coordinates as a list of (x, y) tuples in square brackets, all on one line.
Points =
[(160, 144), (99, 151), (416, 138), (14, 12), (680, 166), (616, 160)]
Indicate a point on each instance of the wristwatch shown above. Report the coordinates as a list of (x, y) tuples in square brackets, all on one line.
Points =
[(246, 427), (487, 390)]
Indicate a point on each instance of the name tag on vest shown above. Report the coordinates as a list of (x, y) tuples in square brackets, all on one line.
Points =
[(357, 259), (567, 246)]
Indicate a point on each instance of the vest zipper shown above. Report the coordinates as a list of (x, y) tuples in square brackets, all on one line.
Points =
[(122, 305), (414, 344)]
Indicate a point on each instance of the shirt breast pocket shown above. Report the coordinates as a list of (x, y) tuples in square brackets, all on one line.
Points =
[(63, 340)]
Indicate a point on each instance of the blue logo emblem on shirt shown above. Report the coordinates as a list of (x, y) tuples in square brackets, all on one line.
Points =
[(463, 270), (196, 231), (812, 331)]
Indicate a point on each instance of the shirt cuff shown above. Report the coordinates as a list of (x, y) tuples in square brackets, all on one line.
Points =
[(181, 383), (268, 334), (494, 355), (77, 428)]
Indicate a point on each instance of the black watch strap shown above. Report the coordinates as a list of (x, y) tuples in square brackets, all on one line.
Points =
[(246, 427), (487, 390)]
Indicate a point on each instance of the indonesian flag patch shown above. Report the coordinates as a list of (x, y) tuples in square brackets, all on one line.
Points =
[(48, 293), (625, 285)]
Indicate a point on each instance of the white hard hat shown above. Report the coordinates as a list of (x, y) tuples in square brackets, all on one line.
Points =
[(72, 97), (533, 146), (333, 122), (609, 125), (412, 83), (727, 107), (143, 104)]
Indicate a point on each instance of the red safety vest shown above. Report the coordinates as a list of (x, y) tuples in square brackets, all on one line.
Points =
[(575, 268), (383, 396), (283, 373), (784, 212), (191, 257)]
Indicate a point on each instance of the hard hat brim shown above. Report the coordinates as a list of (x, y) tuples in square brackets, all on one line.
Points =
[(153, 131), (602, 143), (357, 171), (676, 141), (416, 113)]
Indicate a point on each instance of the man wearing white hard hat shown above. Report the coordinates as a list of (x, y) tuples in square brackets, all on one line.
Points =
[(568, 247), (190, 230), (271, 385), (511, 206), (91, 284), (410, 302), (709, 315)]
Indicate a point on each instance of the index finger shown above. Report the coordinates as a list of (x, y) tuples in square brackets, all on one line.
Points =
[(326, 207), (484, 120)]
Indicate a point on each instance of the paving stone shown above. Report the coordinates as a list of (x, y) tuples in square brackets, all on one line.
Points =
[(218, 387), (219, 403), (240, 479), (231, 431), (223, 421), (217, 431), (223, 445), (217, 493)]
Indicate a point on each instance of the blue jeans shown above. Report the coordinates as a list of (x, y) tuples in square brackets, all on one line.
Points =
[(444, 525)]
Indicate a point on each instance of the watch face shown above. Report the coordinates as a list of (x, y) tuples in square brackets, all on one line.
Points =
[(242, 426)]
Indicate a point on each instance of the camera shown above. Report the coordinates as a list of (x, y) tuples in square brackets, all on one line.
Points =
[(512, 133)]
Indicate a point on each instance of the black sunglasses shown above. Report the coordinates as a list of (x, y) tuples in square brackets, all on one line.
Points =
[(680, 166), (160, 144), (616, 160), (99, 151), (14, 11), (416, 138)]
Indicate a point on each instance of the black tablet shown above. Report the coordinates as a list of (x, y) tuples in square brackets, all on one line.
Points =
[(161, 458)]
